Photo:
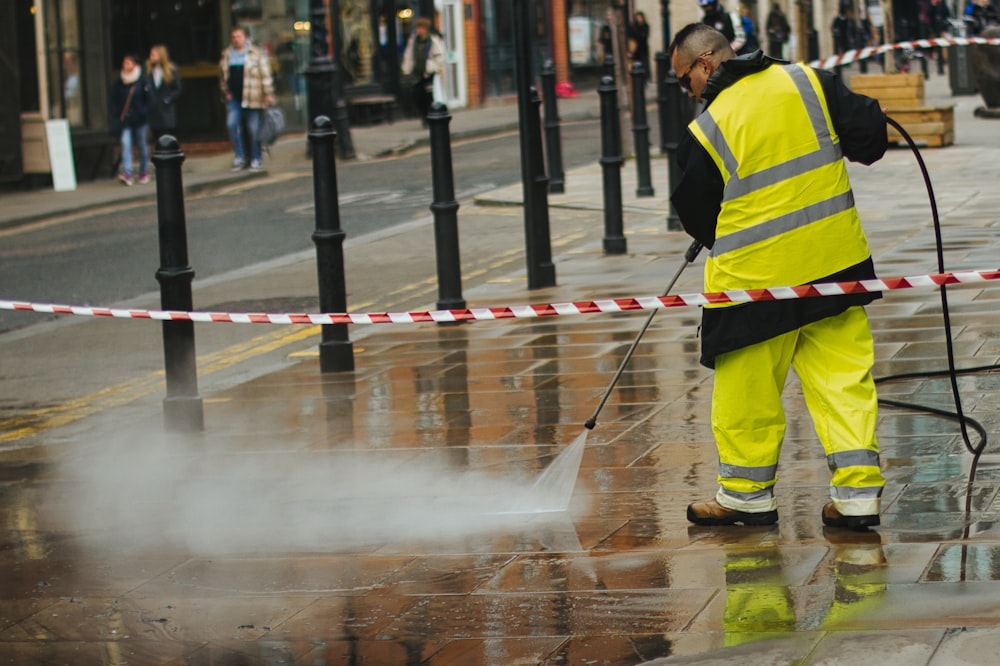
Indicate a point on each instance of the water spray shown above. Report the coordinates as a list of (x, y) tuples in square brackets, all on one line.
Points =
[(554, 488)]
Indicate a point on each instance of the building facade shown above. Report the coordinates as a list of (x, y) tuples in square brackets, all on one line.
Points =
[(67, 52)]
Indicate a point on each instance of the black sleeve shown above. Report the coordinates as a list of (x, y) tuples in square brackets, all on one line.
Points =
[(858, 119), (177, 87), (698, 197)]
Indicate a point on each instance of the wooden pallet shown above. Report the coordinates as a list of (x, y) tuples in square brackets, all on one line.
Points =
[(933, 126), (895, 90)]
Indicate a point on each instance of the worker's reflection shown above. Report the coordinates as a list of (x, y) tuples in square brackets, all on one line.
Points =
[(760, 599), (859, 579)]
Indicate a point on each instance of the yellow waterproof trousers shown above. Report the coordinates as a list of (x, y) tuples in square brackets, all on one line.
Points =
[(833, 358)]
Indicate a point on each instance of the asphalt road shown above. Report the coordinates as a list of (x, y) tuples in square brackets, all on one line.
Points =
[(109, 256)]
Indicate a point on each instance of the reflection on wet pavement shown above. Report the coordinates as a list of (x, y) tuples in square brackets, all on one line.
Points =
[(359, 518)]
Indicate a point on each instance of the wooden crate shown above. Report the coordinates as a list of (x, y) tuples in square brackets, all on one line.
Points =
[(933, 126), (894, 90)]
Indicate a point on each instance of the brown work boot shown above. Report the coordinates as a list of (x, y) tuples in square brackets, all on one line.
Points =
[(710, 512), (834, 518)]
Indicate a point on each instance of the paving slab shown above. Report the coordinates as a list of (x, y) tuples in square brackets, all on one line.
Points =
[(365, 516)]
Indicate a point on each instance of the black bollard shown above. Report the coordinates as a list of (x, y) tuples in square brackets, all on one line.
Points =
[(182, 408), (553, 142), (680, 112), (541, 270), (662, 67), (342, 117), (538, 200), (445, 210), (336, 352), (611, 165), (640, 130), (608, 66)]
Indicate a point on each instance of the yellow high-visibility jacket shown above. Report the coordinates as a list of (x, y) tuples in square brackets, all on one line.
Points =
[(765, 187)]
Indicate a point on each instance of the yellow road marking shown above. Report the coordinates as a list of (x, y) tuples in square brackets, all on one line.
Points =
[(39, 420)]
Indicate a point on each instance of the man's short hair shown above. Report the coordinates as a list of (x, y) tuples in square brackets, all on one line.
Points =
[(423, 22), (696, 38)]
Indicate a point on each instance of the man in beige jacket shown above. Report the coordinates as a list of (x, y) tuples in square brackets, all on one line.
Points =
[(248, 88)]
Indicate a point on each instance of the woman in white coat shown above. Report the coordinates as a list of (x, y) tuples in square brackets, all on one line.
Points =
[(424, 60)]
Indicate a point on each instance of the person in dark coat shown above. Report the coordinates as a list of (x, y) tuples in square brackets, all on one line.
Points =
[(778, 31), (128, 109), (638, 38), (165, 85)]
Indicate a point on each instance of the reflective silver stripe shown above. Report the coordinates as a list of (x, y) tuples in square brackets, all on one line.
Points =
[(814, 108), (855, 458), (764, 495), (848, 493), (761, 474), (780, 225), (714, 135), (827, 153)]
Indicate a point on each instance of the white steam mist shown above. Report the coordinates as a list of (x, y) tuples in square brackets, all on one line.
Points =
[(174, 492)]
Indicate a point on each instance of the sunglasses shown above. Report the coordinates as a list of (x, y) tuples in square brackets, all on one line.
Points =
[(685, 80)]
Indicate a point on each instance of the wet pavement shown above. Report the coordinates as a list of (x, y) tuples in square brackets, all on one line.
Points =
[(389, 515)]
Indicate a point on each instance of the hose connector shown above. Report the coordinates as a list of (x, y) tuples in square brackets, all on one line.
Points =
[(692, 252)]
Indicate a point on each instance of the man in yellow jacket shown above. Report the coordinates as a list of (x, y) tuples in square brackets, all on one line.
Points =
[(765, 188)]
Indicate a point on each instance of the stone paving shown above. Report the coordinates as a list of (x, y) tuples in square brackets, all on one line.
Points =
[(366, 517)]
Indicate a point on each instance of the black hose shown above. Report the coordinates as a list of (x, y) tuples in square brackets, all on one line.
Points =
[(959, 414)]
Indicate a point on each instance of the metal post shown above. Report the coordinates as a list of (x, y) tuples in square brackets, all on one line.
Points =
[(680, 112), (611, 165), (665, 20), (553, 142), (540, 189), (609, 66), (182, 408), (336, 352), (321, 72), (541, 271), (445, 210), (340, 112), (662, 67), (640, 130)]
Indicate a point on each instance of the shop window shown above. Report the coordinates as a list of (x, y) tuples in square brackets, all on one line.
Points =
[(64, 75), (586, 20)]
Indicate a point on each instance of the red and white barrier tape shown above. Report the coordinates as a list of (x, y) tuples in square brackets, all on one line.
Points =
[(847, 57), (525, 311)]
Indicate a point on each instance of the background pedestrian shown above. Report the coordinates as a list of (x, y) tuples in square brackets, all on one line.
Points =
[(165, 86), (248, 88), (128, 107), (423, 60)]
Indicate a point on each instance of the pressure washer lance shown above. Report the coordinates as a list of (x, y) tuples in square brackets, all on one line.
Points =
[(689, 257)]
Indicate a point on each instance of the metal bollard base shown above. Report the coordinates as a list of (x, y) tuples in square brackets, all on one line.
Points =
[(336, 356), (615, 245), (183, 414)]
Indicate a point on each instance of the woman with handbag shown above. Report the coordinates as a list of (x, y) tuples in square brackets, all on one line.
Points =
[(165, 86), (128, 106)]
